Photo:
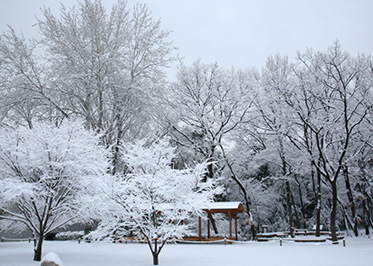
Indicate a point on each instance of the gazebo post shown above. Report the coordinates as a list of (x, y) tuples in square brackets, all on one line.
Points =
[(230, 224), (235, 226), (200, 228), (208, 226)]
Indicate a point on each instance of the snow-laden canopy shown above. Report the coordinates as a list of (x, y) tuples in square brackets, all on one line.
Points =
[(224, 207)]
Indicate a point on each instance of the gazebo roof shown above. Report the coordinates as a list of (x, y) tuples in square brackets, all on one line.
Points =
[(224, 207)]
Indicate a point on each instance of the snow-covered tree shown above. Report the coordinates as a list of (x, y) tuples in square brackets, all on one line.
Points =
[(277, 123), (43, 173), (25, 90), (153, 201), (208, 103), (107, 66), (341, 91), (103, 66)]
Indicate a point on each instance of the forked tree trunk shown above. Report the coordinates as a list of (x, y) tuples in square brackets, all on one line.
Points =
[(38, 248), (158, 246), (155, 258)]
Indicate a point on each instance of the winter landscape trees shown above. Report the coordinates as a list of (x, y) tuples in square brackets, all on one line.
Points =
[(106, 68), (44, 171), (341, 96), (292, 140), (153, 201)]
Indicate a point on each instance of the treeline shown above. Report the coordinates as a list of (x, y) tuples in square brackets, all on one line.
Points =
[(293, 141)]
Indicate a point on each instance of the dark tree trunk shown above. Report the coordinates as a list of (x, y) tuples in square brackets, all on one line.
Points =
[(38, 248), (318, 204), (304, 224), (366, 217), (253, 231), (333, 213), (213, 223), (100, 105), (158, 246), (155, 252), (246, 196), (351, 200), (251, 222), (116, 160), (313, 180), (155, 258), (295, 210), (290, 212), (210, 167)]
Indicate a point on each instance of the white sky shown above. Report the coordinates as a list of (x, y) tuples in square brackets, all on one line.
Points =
[(239, 33)]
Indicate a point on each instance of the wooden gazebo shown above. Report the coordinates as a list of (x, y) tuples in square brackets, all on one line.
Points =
[(231, 209)]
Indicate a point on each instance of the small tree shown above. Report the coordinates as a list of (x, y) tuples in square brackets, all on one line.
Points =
[(43, 172), (153, 201)]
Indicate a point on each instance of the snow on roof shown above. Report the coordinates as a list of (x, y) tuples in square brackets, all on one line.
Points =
[(232, 205)]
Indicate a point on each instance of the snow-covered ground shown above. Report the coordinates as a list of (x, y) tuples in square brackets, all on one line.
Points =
[(358, 252)]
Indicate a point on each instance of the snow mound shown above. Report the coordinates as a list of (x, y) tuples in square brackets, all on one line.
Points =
[(51, 259)]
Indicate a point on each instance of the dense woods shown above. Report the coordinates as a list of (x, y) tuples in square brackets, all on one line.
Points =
[(292, 140)]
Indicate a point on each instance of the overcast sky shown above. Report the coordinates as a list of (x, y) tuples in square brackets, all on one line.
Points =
[(239, 33)]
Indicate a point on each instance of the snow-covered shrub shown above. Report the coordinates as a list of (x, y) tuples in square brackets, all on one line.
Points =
[(69, 235), (51, 259)]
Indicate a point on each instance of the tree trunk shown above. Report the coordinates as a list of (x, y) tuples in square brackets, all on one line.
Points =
[(210, 166), (366, 217), (157, 249), (351, 200), (213, 223), (100, 89), (116, 156), (290, 212), (155, 252), (295, 210), (318, 204), (155, 258), (333, 213), (304, 224), (38, 248), (251, 220), (246, 196)]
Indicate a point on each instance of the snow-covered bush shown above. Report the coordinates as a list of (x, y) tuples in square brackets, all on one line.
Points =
[(69, 235), (51, 259)]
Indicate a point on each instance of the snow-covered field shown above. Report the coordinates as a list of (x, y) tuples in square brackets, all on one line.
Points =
[(358, 252)]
